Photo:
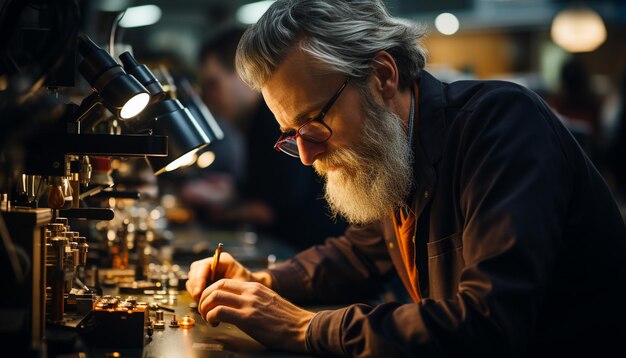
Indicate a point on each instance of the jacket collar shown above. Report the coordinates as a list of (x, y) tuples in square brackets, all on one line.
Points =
[(428, 140), (431, 123)]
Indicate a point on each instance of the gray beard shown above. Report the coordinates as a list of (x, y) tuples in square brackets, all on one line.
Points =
[(373, 177)]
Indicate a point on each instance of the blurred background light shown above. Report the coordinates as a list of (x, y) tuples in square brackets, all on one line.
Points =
[(251, 13), (578, 29), (141, 16), (205, 159), (447, 23)]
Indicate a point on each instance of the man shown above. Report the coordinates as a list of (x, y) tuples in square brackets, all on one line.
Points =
[(503, 232), (276, 196)]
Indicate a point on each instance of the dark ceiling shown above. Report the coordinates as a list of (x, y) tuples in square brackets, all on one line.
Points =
[(186, 23)]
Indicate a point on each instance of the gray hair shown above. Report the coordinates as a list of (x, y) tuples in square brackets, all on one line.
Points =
[(342, 34)]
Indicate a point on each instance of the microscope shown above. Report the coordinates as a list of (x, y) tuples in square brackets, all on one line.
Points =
[(55, 156)]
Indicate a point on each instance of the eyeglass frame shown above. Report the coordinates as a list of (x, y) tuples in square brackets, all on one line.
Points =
[(318, 118)]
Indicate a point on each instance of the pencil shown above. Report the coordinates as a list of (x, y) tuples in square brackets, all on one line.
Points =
[(216, 260)]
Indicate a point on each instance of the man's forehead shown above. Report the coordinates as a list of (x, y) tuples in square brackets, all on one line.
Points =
[(297, 70), (298, 82)]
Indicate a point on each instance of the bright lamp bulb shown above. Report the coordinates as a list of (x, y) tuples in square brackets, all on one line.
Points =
[(251, 13), (183, 161), (135, 105), (141, 16), (578, 30), (447, 23)]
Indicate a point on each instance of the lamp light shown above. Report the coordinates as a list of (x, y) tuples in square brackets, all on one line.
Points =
[(184, 135), (121, 93), (144, 76), (251, 13), (141, 16), (578, 29), (167, 116), (447, 23)]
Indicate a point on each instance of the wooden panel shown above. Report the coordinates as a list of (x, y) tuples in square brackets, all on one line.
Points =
[(484, 54)]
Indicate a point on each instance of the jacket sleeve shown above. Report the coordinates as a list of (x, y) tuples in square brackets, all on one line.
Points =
[(512, 188), (344, 269)]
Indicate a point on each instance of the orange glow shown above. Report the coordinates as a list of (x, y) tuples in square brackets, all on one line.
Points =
[(186, 322)]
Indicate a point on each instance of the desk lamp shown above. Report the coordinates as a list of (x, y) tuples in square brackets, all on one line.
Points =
[(120, 92), (166, 116)]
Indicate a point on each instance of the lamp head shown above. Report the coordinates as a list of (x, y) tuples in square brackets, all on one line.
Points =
[(184, 134), (120, 92), (144, 76)]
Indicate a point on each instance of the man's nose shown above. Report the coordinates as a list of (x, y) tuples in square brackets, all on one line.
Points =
[(309, 151)]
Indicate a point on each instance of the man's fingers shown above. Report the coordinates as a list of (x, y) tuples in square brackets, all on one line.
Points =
[(224, 285), (191, 289), (222, 314), (219, 298), (200, 269), (213, 287), (198, 273)]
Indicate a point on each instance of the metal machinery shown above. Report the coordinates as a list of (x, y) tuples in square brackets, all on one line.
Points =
[(56, 252)]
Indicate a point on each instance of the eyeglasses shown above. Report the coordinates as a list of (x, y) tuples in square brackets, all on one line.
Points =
[(314, 130)]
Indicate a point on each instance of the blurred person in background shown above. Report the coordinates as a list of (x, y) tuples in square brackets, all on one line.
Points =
[(273, 195), (504, 233), (579, 106)]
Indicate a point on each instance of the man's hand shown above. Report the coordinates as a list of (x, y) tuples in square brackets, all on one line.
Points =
[(228, 267), (258, 311)]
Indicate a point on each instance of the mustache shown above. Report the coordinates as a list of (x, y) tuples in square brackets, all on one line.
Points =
[(341, 159)]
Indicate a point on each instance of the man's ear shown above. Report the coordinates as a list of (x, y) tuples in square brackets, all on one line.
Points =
[(386, 75)]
